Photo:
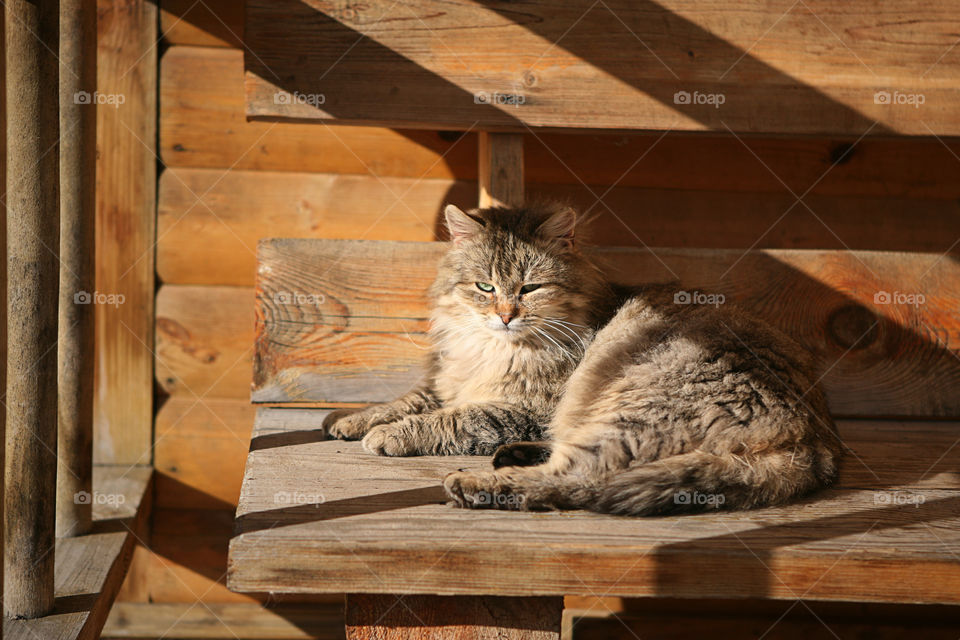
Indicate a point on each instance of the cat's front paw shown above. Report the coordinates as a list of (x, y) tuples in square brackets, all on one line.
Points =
[(388, 440), (346, 424)]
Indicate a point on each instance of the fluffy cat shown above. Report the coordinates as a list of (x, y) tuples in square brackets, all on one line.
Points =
[(500, 352), (650, 406)]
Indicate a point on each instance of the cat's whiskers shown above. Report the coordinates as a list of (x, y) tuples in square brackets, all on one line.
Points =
[(565, 352), (567, 332)]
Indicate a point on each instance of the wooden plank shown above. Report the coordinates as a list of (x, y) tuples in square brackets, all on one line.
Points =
[(32, 228), (90, 568), (209, 222), (213, 241), (225, 620), (352, 521), (185, 561), (126, 232), (798, 623), (200, 450), (212, 23), (673, 65), (500, 170), (204, 341), (3, 284), (326, 332), (376, 617), (202, 124), (78, 201)]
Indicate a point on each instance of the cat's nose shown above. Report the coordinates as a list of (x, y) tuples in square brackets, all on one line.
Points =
[(506, 317)]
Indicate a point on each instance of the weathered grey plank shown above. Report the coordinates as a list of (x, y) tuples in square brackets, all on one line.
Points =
[(322, 516)]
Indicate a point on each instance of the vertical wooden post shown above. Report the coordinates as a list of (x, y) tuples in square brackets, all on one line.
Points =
[(126, 230), (32, 240), (3, 288), (501, 169), (379, 617), (78, 157)]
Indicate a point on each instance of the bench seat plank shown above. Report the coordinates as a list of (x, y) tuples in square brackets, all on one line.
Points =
[(325, 517)]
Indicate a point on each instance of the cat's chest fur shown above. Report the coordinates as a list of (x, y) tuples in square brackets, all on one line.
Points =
[(488, 370)]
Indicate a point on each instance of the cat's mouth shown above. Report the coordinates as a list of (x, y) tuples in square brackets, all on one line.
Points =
[(514, 329)]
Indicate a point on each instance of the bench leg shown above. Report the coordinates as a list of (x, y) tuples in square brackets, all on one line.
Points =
[(388, 617)]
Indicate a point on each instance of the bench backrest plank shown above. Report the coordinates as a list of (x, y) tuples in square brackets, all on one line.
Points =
[(346, 320), (621, 64)]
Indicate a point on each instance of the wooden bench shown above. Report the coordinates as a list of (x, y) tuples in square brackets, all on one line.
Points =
[(343, 323)]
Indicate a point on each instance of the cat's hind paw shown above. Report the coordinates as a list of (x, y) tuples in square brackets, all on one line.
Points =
[(480, 491), (464, 490)]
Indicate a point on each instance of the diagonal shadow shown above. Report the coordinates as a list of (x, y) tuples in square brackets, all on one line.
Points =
[(748, 556), (310, 52)]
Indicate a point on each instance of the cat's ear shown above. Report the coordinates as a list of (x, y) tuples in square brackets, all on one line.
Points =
[(560, 226), (461, 225)]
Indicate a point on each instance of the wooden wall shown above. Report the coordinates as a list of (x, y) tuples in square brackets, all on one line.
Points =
[(227, 182)]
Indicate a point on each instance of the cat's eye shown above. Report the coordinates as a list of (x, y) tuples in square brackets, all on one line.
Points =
[(483, 286), (527, 288)]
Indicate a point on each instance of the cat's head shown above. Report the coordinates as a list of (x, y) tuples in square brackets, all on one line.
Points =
[(516, 274)]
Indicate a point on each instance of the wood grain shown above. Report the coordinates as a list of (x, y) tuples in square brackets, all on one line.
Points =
[(90, 568), (500, 169), (345, 321), (33, 223), (796, 623), (185, 561), (126, 230), (204, 341), (209, 222), (228, 621), (199, 452), (78, 201), (3, 285), (346, 520), (387, 617), (621, 67), (202, 124), (212, 23)]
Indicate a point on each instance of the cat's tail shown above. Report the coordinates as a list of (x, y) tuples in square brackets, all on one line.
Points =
[(699, 481)]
